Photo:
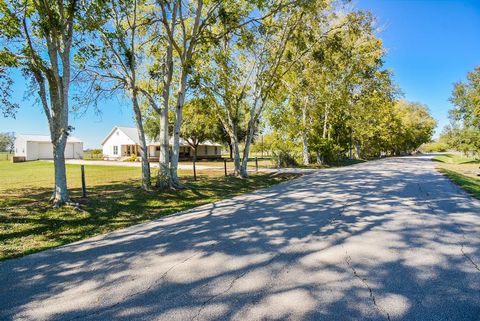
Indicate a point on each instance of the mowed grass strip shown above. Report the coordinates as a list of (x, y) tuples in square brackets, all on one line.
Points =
[(463, 171), (455, 159), (469, 184), (28, 223)]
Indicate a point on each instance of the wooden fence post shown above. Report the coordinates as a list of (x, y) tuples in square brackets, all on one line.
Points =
[(194, 169), (84, 188), (256, 164)]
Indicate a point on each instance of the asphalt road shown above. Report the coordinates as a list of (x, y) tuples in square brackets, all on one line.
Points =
[(385, 240)]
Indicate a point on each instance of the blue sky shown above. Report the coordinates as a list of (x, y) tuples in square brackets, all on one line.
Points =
[(431, 44)]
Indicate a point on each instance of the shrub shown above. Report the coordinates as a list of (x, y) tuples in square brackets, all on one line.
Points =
[(434, 147), (132, 158), (283, 158), (329, 151)]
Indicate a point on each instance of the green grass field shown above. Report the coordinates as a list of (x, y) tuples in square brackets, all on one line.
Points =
[(462, 171), (28, 223)]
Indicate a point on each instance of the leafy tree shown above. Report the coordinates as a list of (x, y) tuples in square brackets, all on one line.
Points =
[(188, 27), (199, 123), (113, 63), (40, 37), (224, 83), (465, 139), (464, 133), (247, 67), (7, 142), (466, 99), (337, 93), (185, 25), (415, 128)]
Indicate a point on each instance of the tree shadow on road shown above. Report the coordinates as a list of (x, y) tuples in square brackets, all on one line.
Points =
[(357, 243)]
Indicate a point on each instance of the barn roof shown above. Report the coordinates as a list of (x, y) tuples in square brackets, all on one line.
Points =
[(46, 138)]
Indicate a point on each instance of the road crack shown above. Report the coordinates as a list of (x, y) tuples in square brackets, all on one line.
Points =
[(213, 297), (348, 260)]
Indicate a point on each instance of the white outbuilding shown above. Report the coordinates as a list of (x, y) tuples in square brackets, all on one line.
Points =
[(34, 147)]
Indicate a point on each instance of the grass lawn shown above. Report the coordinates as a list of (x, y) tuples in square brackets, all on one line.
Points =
[(462, 171), (29, 224)]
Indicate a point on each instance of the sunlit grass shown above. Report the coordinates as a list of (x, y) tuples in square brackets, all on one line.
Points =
[(461, 170), (469, 184), (455, 159)]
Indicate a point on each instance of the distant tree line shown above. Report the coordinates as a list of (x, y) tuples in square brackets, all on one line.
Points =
[(463, 132), (7, 142)]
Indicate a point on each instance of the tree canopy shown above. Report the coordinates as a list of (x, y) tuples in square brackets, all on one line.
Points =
[(463, 133)]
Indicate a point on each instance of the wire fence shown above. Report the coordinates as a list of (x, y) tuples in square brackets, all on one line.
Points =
[(6, 156), (29, 177)]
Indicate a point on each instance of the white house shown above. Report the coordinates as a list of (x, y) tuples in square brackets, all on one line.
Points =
[(122, 142), (34, 147)]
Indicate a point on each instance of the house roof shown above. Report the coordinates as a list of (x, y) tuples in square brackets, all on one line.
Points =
[(132, 133), (46, 138)]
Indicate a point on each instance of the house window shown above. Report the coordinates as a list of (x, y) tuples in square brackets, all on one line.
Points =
[(216, 150), (115, 150), (206, 150)]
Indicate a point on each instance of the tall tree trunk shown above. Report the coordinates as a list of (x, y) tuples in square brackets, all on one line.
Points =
[(305, 152), (357, 150), (176, 129), (163, 175), (320, 160), (164, 178), (58, 123), (236, 157), (248, 140), (350, 152), (325, 123), (60, 195), (231, 150), (55, 73), (319, 156), (186, 54), (146, 183)]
